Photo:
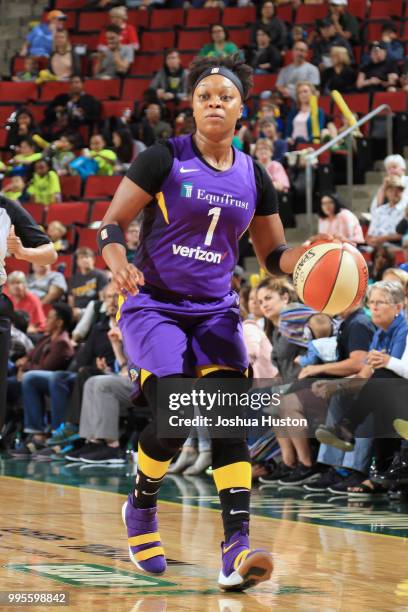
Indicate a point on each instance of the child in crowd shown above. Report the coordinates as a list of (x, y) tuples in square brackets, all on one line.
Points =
[(269, 130), (322, 345), (44, 187), (104, 157), (14, 190), (30, 71), (26, 155), (57, 232), (61, 153), (264, 153)]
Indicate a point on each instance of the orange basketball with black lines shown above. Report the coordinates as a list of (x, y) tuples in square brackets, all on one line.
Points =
[(331, 277)]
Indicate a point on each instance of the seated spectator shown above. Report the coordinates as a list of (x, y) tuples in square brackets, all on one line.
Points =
[(298, 122), (269, 21), (15, 188), (170, 82), (346, 25), (263, 153), (44, 188), (340, 75), (64, 62), (334, 218), (80, 107), (25, 157), (268, 130), (132, 239), (380, 74), (37, 373), (264, 57), (296, 34), (104, 157), (394, 47), (40, 38), (153, 127), (56, 231), (23, 299), (385, 218), (20, 344), (128, 35), (394, 165), (126, 149), (21, 125), (322, 344), (382, 259), (272, 108), (299, 70), (29, 72), (219, 45), (61, 153), (87, 282), (396, 275), (48, 285), (328, 38), (116, 59), (256, 341)]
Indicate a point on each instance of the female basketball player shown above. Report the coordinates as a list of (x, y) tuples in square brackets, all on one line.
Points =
[(199, 195)]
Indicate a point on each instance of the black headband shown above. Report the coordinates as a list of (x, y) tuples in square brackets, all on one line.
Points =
[(225, 72)]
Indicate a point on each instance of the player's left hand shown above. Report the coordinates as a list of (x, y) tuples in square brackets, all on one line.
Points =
[(14, 245), (377, 359)]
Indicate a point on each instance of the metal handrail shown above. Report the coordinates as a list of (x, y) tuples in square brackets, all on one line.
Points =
[(346, 135)]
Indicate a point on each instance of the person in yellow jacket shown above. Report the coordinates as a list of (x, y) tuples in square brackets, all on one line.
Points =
[(104, 157), (45, 186)]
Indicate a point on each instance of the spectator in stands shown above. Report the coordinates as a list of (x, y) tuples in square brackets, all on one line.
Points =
[(37, 373), (268, 130), (385, 218), (21, 125), (128, 35), (44, 188), (328, 38), (263, 153), (23, 299), (64, 62), (48, 285), (381, 73), (394, 165), (126, 149), (345, 24), (296, 34), (104, 157), (153, 127), (396, 275), (382, 259), (220, 44), (170, 82), (87, 282), (81, 108), (15, 189), (299, 70), (256, 341), (132, 239), (39, 40), (322, 343), (298, 122), (270, 22), (116, 59), (25, 157), (61, 153), (334, 218), (29, 72), (264, 57), (389, 36), (56, 231), (340, 75)]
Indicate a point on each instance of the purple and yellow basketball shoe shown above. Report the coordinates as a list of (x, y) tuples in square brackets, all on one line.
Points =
[(145, 549), (241, 567)]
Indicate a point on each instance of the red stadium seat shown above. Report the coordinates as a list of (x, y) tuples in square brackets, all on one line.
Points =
[(98, 187), (385, 10), (18, 92), (115, 108), (241, 37), (37, 111), (133, 89), (310, 13), (103, 89), (93, 21), (166, 18), (158, 40), (397, 100), (51, 89), (263, 82), (358, 8), (199, 17), (146, 64), (187, 57), (285, 12), (68, 212), (399, 258), (358, 103), (139, 19), (90, 41), (193, 39), (239, 16), (100, 263), (87, 238), (71, 21), (13, 264), (5, 112), (3, 137), (67, 261), (99, 209), (70, 4), (373, 30), (37, 211), (325, 103), (71, 187)]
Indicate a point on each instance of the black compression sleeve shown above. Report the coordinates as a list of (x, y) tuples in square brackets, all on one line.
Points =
[(151, 168), (267, 199)]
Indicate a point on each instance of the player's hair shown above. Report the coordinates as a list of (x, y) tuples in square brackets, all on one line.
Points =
[(232, 62), (280, 285)]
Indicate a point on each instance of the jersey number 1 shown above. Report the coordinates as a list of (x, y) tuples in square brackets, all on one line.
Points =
[(215, 214)]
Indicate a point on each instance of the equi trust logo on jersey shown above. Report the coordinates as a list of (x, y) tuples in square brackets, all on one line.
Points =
[(186, 190), (197, 253)]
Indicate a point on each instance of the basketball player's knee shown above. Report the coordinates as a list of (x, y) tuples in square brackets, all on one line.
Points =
[(172, 445)]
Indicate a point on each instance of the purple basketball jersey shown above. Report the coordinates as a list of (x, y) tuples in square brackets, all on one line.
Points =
[(189, 241)]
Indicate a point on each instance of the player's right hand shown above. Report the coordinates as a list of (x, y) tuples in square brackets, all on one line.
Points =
[(127, 279)]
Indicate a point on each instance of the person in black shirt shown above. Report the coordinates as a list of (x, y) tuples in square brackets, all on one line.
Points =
[(81, 107), (264, 57), (328, 38), (380, 74), (272, 23), (21, 237), (340, 76), (87, 282)]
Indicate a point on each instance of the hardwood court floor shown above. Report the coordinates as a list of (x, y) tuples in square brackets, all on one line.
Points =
[(70, 538)]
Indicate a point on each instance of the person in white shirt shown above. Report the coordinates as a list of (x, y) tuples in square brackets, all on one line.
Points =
[(394, 165), (385, 218)]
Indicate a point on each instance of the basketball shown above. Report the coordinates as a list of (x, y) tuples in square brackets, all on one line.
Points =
[(331, 277)]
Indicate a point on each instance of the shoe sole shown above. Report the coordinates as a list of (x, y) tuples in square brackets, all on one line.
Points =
[(269, 483), (133, 560), (355, 495), (315, 490), (110, 461), (326, 437), (284, 483), (334, 492), (255, 569), (401, 427), (73, 459)]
